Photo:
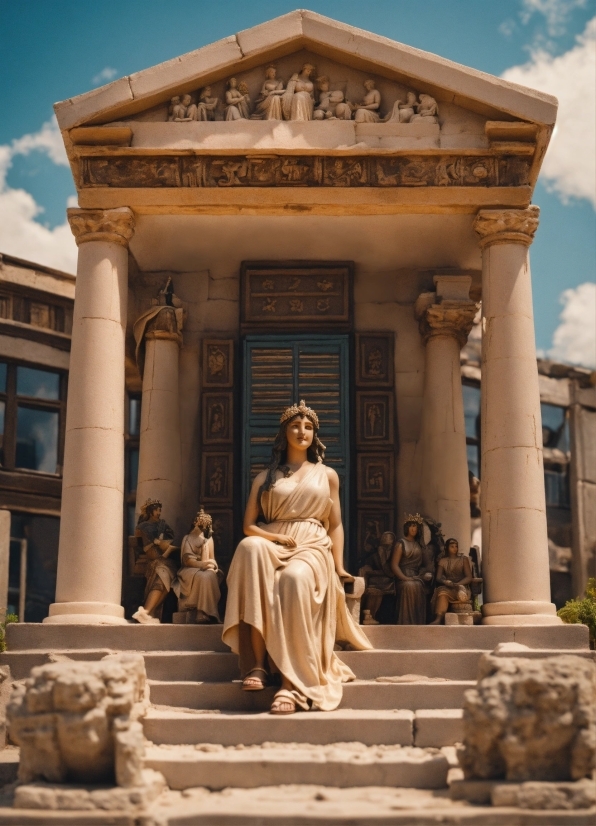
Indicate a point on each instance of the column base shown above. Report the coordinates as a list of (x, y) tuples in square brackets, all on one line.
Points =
[(86, 613), (520, 613)]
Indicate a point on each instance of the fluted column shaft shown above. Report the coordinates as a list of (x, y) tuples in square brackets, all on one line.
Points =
[(89, 580), (160, 471), (445, 319), (514, 536)]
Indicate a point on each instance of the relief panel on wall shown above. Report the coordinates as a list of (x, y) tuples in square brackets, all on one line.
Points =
[(217, 478), (374, 419), (218, 363), (374, 360), (217, 415), (376, 473)]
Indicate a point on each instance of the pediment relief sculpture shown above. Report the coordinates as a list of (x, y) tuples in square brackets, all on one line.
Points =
[(305, 97)]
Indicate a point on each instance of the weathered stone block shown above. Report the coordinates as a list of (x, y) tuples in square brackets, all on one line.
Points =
[(77, 721), (531, 719)]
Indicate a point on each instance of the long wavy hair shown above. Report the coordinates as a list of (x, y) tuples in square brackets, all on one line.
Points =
[(279, 454)]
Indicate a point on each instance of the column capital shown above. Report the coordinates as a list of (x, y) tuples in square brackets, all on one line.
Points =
[(507, 226), (112, 225), (450, 318)]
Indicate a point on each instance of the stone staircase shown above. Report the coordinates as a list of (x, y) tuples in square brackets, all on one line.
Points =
[(205, 731)]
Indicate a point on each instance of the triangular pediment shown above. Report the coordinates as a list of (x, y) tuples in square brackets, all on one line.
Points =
[(346, 54)]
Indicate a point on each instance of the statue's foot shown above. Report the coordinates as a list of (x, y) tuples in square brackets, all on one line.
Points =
[(144, 617), (283, 702), (252, 682), (438, 620), (202, 617)]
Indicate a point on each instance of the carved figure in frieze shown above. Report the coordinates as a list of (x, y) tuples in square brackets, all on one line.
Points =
[(207, 105), (197, 582), (454, 575), (298, 100), (268, 104), (231, 173), (346, 172), (176, 111), (237, 101), (294, 170), (156, 536), (403, 112), (412, 568), (331, 103), (187, 110), (427, 110), (368, 110), (286, 605)]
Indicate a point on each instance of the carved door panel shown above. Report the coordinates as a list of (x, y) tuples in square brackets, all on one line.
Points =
[(280, 370), (375, 440)]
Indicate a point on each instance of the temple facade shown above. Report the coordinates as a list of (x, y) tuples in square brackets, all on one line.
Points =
[(304, 210)]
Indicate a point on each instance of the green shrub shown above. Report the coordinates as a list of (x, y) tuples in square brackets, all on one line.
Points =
[(583, 610), (9, 618)]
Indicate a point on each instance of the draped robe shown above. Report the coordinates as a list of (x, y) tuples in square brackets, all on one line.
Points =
[(293, 596)]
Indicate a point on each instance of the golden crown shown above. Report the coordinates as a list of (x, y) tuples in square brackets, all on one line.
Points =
[(414, 517), (300, 410), (202, 519)]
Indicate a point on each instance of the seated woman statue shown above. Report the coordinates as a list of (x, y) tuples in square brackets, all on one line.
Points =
[(197, 583), (285, 595), (298, 100), (237, 101), (268, 104), (454, 574), (156, 536), (413, 572)]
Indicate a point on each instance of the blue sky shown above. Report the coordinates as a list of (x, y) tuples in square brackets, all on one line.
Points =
[(54, 49)]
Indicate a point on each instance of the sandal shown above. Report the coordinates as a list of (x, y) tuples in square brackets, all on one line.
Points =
[(250, 683), (283, 698)]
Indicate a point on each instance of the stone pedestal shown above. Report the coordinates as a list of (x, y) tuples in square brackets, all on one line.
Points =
[(89, 579), (445, 317), (160, 474), (514, 537)]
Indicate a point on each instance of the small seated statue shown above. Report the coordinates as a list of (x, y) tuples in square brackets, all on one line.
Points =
[(413, 571), (206, 106), (379, 578), (402, 112), (197, 583), (368, 110), (331, 103), (454, 575), (237, 100), (427, 110), (156, 536), (177, 110)]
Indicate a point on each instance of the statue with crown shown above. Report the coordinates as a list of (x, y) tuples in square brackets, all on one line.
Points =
[(286, 606)]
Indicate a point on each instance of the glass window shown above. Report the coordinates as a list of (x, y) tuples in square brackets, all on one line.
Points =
[(471, 410), (134, 416), (37, 439), (556, 486), (473, 460), (39, 384), (555, 427), (2, 378)]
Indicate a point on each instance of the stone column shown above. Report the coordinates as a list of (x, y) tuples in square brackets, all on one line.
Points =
[(160, 472), (514, 538), (88, 588), (445, 318)]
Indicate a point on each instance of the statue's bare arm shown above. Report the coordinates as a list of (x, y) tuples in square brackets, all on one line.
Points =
[(251, 514)]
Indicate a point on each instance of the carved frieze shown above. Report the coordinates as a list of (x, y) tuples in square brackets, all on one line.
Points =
[(303, 170), (294, 296)]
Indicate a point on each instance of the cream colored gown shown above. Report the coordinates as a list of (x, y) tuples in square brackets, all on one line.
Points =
[(293, 595)]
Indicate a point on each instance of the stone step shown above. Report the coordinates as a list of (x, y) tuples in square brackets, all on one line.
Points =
[(221, 666), (426, 727), (348, 765), (23, 636), (361, 694)]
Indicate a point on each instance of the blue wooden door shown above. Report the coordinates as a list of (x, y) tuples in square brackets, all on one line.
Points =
[(280, 370)]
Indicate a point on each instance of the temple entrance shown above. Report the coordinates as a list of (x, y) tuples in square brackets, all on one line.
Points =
[(282, 369)]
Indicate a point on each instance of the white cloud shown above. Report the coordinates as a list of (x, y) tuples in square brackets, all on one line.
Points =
[(570, 164), (574, 340), (555, 12), (20, 234), (104, 76)]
